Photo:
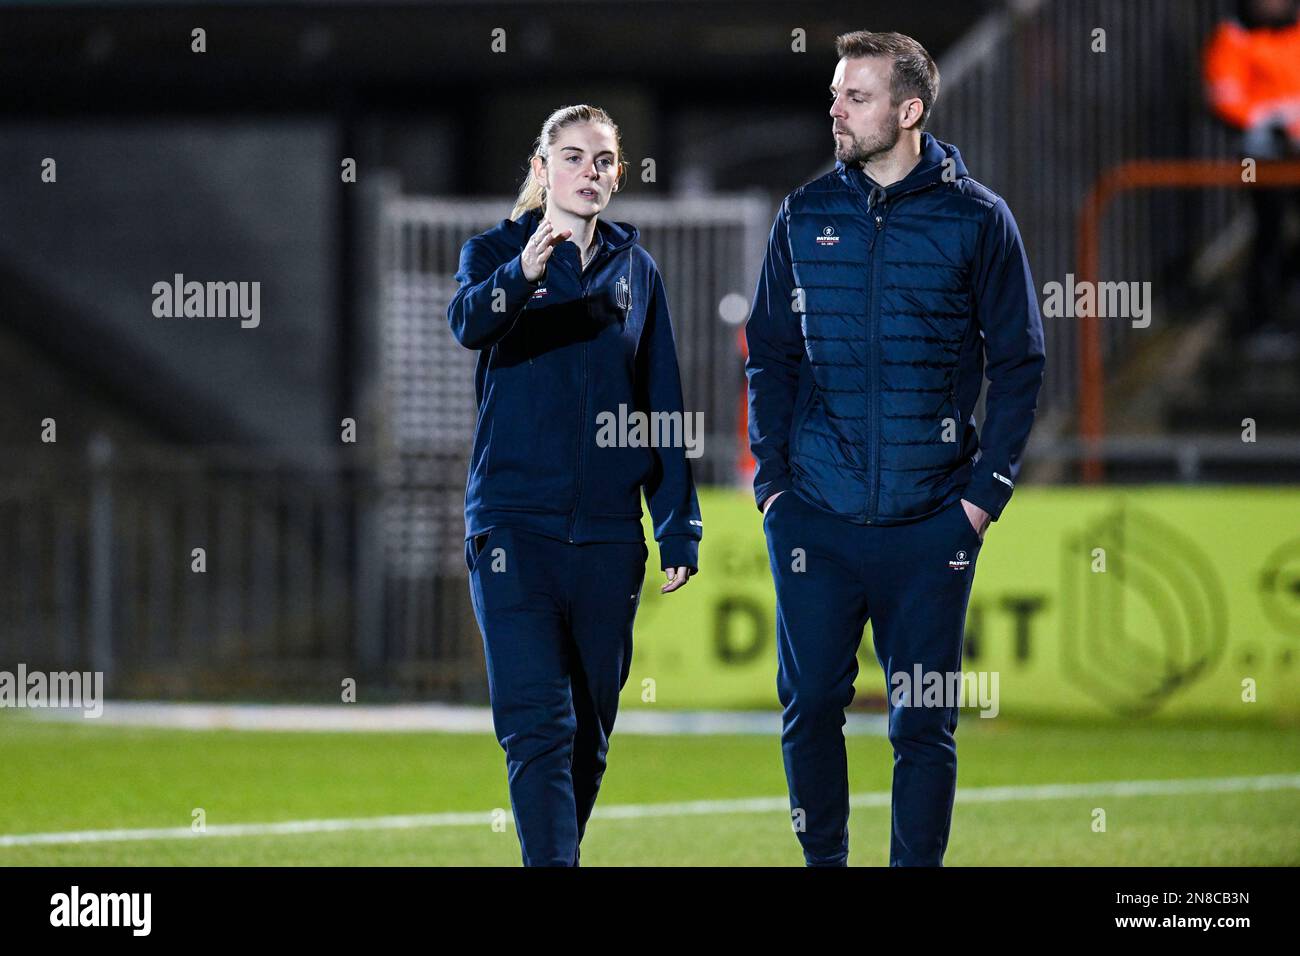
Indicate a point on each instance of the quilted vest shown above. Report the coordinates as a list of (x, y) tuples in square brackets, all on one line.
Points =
[(881, 431)]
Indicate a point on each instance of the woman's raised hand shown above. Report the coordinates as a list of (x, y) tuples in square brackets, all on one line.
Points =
[(539, 249)]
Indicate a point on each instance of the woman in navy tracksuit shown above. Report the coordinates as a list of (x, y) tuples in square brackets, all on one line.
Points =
[(571, 323)]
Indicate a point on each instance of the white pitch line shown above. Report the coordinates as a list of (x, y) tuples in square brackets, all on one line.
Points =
[(641, 811), (419, 718)]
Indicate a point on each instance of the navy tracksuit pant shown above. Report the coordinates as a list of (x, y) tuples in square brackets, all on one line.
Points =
[(557, 621), (912, 581)]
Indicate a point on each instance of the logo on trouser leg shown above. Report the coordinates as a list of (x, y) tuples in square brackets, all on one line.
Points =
[(959, 561)]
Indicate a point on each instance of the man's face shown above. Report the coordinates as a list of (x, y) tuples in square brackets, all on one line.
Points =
[(865, 123)]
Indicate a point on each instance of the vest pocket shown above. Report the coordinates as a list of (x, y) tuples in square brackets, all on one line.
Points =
[(796, 430)]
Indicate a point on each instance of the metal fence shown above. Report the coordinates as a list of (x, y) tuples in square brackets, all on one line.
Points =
[(225, 571)]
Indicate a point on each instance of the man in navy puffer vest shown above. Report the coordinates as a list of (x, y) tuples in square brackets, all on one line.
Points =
[(887, 285)]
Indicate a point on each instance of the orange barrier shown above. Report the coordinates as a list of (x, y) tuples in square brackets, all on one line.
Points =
[(1140, 174)]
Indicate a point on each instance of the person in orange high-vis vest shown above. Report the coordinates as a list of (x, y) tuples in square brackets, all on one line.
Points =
[(1252, 79), (1252, 69)]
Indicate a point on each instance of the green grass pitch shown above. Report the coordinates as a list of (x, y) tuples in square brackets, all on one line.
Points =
[(81, 776)]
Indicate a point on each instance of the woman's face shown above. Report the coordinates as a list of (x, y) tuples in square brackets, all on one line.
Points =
[(582, 170)]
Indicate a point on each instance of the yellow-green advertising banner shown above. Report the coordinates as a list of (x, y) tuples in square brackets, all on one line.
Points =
[(1121, 600)]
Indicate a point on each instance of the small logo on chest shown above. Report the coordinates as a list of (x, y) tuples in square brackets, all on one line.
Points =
[(828, 237), (623, 293), (540, 293)]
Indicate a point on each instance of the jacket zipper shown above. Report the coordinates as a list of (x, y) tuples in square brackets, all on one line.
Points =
[(582, 420), (873, 362), (873, 346), (584, 284)]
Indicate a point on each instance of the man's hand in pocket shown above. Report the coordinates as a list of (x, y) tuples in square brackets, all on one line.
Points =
[(978, 517)]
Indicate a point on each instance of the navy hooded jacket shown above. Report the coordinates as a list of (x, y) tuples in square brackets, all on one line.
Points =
[(873, 316), (559, 359)]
